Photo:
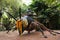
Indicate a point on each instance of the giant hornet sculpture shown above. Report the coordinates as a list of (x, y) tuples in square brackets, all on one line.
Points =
[(23, 25), (29, 27)]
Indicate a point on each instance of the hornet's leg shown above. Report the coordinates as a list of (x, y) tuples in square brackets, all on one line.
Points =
[(42, 33), (28, 31), (8, 31), (45, 28), (54, 32), (19, 31), (36, 26)]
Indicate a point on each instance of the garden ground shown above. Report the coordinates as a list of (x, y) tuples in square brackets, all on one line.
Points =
[(32, 36)]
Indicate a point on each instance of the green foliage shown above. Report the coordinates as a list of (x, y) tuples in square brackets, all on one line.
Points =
[(48, 9), (11, 6)]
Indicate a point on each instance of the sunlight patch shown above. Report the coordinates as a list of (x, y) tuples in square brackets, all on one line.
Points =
[(27, 2), (5, 15)]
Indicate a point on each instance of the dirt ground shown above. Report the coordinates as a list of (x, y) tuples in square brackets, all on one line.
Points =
[(32, 36)]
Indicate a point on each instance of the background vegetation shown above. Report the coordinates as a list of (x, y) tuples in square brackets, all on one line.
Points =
[(47, 11)]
